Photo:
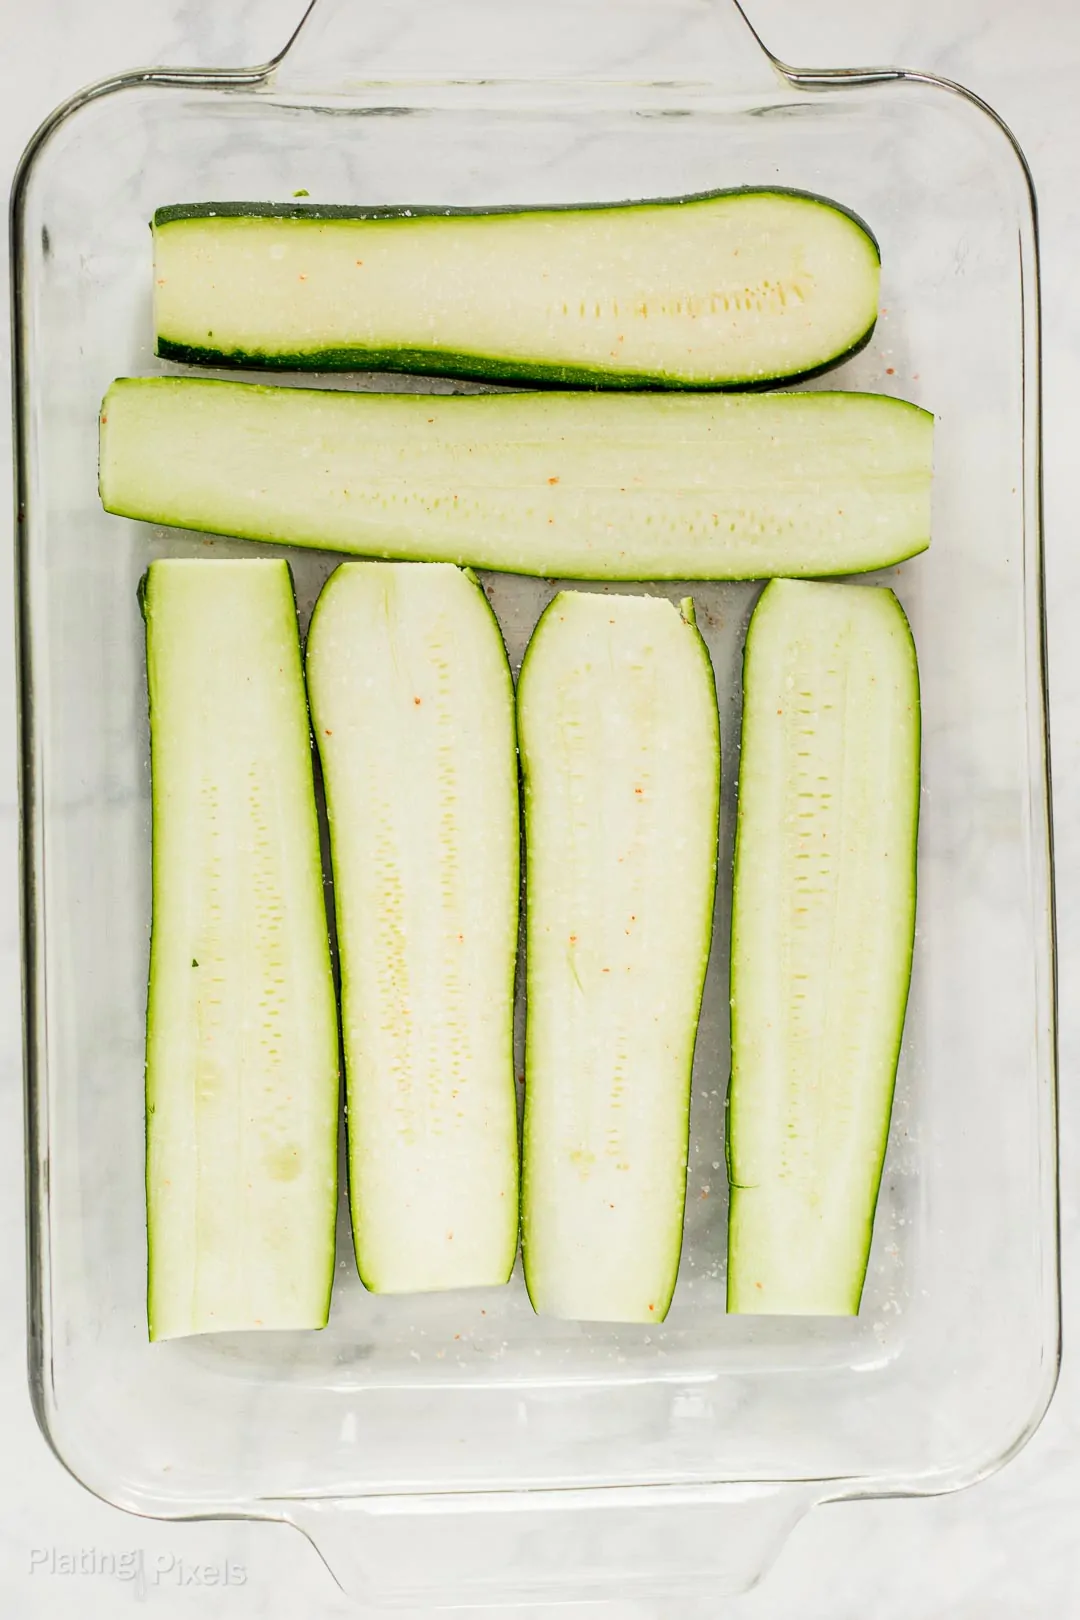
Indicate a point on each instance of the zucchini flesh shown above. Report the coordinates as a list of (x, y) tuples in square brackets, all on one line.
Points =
[(241, 1049), (823, 926), (620, 755), (725, 289), (413, 707), (571, 485)]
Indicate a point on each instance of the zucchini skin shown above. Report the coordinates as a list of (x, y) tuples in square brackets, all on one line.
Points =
[(172, 212), (478, 367)]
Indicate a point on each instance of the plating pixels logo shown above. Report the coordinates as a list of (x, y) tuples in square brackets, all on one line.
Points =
[(134, 1566)]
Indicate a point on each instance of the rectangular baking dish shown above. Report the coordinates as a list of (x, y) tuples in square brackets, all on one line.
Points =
[(456, 1449)]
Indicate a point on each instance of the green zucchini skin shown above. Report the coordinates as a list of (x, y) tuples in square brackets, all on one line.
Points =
[(496, 360), (620, 753), (170, 213), (823, 928), (241, 1034), (574, 486), (481, 368)]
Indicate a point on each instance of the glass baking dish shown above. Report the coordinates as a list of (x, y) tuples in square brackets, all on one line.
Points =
[(456, 1449)]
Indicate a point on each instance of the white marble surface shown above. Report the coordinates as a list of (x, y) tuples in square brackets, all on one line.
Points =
[(1005, 1550)]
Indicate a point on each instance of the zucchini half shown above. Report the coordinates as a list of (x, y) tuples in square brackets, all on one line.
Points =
[(241, 1037), (823, 926), (620, 753), (578, 486), (413, 707), (726, 289)]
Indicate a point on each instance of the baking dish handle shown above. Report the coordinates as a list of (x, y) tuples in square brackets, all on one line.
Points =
[(503, 1549), (340, 45)]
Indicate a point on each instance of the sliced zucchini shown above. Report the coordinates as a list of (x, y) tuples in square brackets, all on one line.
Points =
[(241, 1045), (620, 752), (413, 706), (822, 932), (579, 486), (721, 290)]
